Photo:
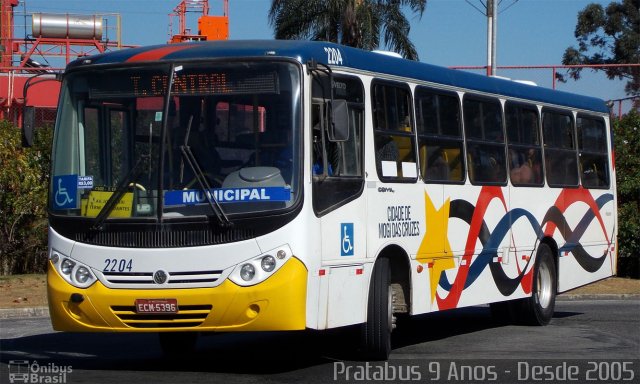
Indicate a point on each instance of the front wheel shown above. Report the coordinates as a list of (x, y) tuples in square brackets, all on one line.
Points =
[(538, 309), (376, 331)]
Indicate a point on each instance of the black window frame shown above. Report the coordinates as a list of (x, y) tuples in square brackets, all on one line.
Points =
[(378, 133), (426, 138), (331, 191), (602, 153), (522, 148), (481, 144), (552, 151)]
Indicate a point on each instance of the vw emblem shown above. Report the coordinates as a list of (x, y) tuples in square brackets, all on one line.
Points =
[(160, 277)]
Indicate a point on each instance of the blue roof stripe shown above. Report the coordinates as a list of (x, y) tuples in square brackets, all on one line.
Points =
[(358, 59)]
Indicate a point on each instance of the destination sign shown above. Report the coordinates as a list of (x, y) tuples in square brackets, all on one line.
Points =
[(188, 80), (200, 83)]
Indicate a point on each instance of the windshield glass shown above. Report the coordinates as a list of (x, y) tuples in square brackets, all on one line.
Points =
[(226, 132)]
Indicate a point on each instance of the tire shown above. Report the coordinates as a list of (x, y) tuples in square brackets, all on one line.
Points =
[(376, 331), (175, 344), (538, 309)]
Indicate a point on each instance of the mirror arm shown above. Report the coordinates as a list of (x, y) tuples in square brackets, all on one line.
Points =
[(28, 118)]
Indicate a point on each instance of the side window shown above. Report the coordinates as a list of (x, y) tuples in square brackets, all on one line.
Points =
[(440, 144), (93, 157), (559, 148), (337, 166), (119, 162), (485, 140), (525, 150), (393, 132), (592, 146), (110, 125)]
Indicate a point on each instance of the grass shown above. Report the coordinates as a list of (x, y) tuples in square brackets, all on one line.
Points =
[(612, 285), (20, 291)]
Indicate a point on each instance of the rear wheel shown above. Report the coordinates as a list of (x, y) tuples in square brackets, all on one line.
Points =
[(376, 331), (538, 309), (176, 344)]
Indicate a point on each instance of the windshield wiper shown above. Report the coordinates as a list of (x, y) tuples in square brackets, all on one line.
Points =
[(121, 189), (202, 179)]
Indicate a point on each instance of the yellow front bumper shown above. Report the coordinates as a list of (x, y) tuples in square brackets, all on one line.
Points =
[(277, 303)]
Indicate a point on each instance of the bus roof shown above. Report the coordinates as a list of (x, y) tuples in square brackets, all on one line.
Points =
[(348, 57)]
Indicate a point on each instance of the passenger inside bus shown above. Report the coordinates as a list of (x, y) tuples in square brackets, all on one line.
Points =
[(330, 149), (438, 167), (386, 150), (521, 168)]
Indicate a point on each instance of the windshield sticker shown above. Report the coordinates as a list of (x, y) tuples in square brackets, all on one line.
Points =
[(85, 182), (65, 192), (409, 170), (92, 206), (158, 116), (228, 195), (389, 168)]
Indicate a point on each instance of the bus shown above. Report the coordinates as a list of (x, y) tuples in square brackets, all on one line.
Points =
[(244, 186)]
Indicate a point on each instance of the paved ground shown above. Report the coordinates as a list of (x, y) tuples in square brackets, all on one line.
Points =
[(587, 339)]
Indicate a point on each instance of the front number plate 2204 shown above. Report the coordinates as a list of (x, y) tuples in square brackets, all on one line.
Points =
[(156, 306)]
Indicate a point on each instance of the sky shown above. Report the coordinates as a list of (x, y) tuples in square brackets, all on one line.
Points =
[(449, 33)]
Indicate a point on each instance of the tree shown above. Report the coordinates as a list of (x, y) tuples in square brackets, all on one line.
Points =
[(608, 36), (627, 157), (24, 183), (356, 23)]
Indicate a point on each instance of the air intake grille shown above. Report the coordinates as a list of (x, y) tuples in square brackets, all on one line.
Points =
[(146, 278), (164, 239), (188, 316)]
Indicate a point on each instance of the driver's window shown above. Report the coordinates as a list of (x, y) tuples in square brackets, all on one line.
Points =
[(336, 159), (337, 166)]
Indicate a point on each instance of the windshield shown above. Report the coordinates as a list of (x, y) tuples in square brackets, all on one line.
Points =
[(223, 139)]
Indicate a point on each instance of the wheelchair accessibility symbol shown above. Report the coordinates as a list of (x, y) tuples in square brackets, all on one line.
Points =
[(346, 234), (66, 189)]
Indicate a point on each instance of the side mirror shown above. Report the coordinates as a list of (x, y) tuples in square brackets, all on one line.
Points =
[(28, 126), (339, 126)]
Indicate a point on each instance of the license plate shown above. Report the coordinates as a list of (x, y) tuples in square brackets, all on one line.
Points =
[(156, 306)]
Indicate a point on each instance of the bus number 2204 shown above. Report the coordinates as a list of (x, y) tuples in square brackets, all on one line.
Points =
[(117, 265), (334, 57)]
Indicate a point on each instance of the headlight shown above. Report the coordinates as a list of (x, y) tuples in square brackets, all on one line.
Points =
[(247, 272), (67, 266), (72, 271), (258, 269), (82, 275), (268, 263)]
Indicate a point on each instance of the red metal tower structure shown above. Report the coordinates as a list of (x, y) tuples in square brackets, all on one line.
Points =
[(6, 31), (209, 27), (66, 37), (63, 37)]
